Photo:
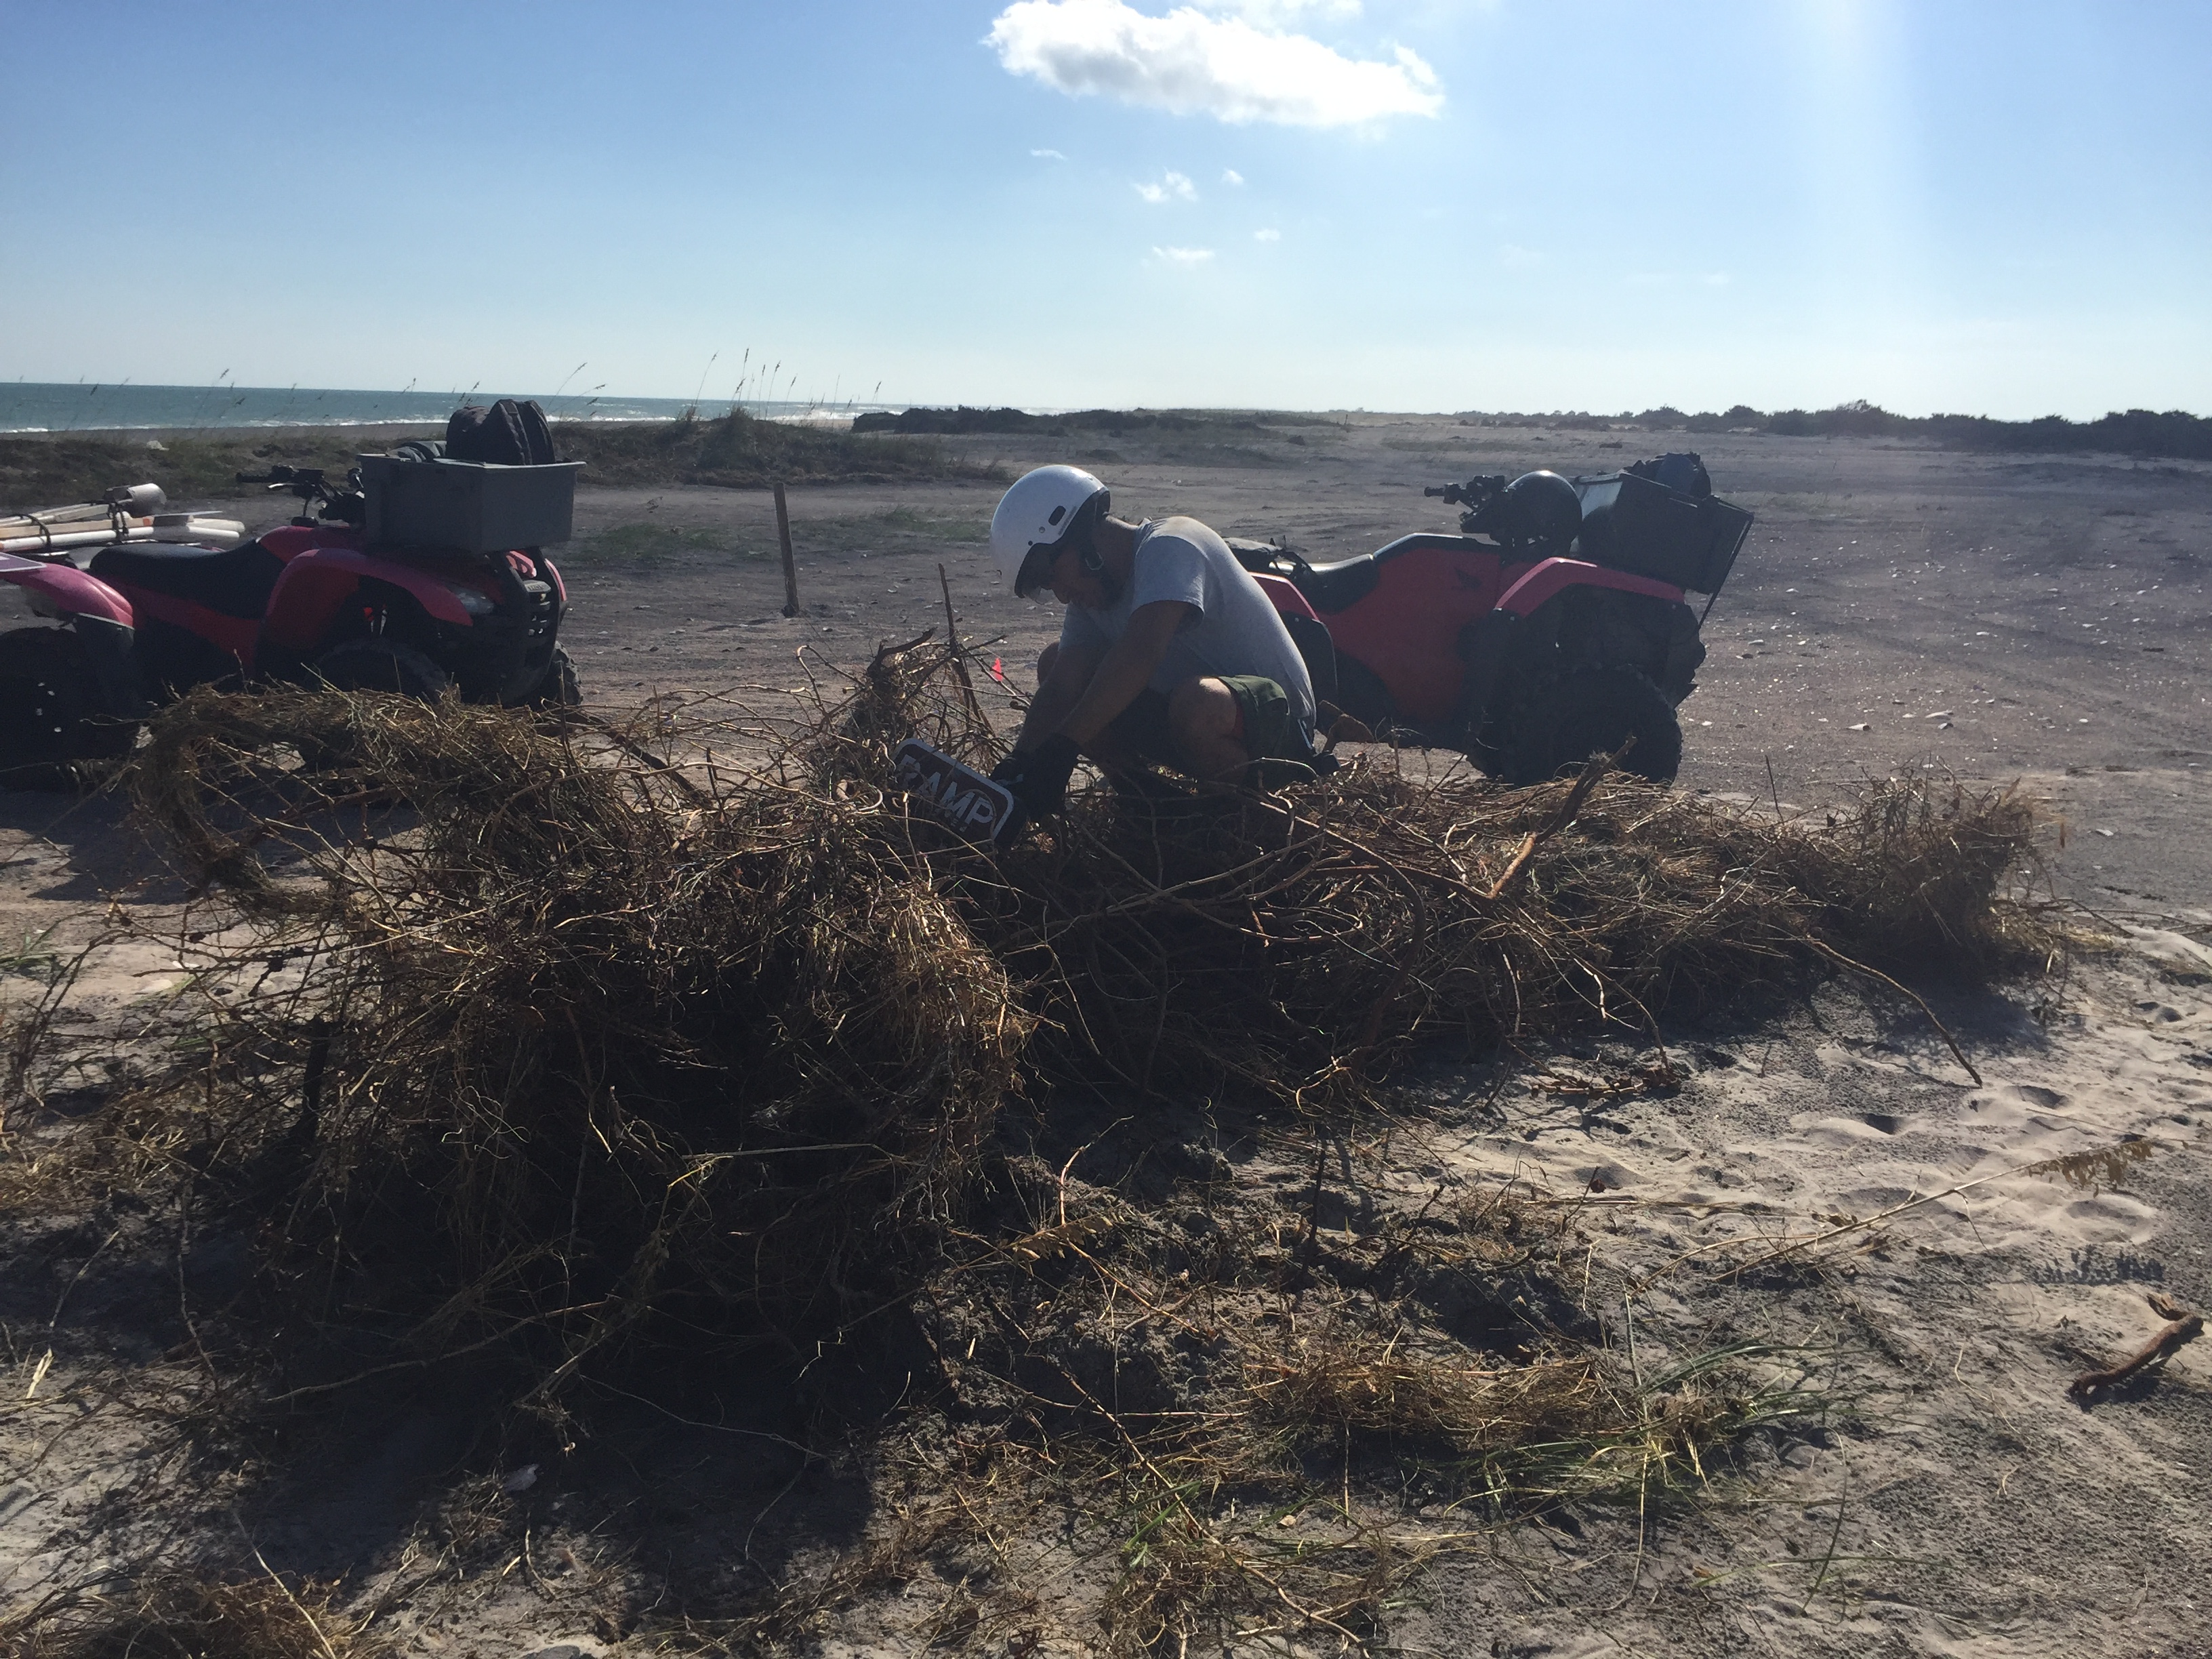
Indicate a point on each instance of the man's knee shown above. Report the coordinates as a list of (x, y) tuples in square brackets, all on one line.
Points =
[(1045, 660), (1206, 727), (1201, 708)]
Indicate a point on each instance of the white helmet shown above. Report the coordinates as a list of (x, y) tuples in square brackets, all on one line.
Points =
[(1040, 512)]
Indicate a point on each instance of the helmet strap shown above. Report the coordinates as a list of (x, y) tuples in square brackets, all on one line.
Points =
[(1094, 566), (1084, 535)]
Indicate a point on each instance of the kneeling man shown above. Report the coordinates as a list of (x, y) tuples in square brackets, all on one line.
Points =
[(1168, 650)]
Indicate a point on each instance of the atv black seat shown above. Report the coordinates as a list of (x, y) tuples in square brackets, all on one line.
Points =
[(1332, 587), (236, 582)]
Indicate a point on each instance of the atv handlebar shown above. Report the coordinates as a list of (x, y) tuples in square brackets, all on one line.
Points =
[(1475, 492), (276, 477), (340, 502)]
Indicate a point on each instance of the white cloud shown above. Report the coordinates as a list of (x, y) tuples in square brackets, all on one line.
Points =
[(1048, 155), (1191, 63), (1231, 176), (1267, 235), (1172, 187), (1514, 255), (1273, 14), (1183, 256)]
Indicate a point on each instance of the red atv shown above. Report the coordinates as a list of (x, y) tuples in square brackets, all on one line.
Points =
[(315, 602), (1555, 626)]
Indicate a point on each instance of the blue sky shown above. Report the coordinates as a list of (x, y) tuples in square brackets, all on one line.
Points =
[(1974, 206)]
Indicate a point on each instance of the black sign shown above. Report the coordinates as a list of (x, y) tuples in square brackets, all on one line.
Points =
[(978, 808)]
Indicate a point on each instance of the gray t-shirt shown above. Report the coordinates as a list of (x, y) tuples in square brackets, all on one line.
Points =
[(1236, 631)]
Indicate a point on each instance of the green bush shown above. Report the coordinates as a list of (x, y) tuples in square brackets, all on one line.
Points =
[(737, 450)]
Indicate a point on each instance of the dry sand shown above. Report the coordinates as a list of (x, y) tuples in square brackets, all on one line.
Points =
[(2041, 620)]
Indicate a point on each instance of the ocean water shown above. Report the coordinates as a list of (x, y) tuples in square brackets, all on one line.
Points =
[(26, 406)]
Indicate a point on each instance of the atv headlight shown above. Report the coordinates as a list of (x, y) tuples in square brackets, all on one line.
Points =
[(474, 601)]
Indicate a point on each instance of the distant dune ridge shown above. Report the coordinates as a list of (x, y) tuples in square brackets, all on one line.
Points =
[(2175, 433)]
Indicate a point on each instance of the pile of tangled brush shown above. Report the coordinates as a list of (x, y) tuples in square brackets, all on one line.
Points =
[(546, 1039)]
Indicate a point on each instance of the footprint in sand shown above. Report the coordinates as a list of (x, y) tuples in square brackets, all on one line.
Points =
[(1850, 1132), (2107, 1219), (2018, 1106)]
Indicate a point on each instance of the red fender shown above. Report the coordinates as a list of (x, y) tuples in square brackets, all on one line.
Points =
[(288, 541), (71, 592), (1547, 578), (1284, 595), (317, 582)]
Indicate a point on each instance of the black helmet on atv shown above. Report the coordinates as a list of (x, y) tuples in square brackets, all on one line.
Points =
[(1538, 514)]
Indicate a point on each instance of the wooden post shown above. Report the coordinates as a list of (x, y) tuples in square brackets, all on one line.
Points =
[(790, 570)]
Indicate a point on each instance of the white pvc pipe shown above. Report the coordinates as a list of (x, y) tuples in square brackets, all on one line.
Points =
[(228, 532), (77, 538), (55, 515)]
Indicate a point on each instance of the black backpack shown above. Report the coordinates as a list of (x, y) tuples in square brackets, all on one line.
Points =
[(1685, 475), (508, 434)]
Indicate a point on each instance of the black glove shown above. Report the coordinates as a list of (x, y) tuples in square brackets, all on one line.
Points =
[(1037, 778)]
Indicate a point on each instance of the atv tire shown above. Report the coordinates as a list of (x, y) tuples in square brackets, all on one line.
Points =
[(51, 717), (1594, 712), (560, 689), (380, 665), (367, 665)]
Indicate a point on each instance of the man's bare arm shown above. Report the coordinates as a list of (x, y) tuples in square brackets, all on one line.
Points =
[(1125, 670), (1056, 698)]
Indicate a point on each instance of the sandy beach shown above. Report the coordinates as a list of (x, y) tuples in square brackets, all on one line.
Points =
[(2041, 623)]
